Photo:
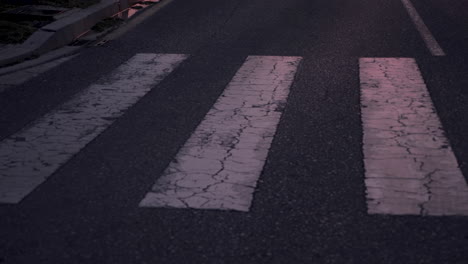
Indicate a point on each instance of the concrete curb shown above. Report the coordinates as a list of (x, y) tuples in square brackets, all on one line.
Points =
[(62, 31), (45, 58)]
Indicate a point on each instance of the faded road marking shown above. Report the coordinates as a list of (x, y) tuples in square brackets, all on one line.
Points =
[(410, 166), (30, 156), (425, 33), (218, 167)]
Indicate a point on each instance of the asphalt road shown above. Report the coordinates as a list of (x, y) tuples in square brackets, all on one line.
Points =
[(309, 205)]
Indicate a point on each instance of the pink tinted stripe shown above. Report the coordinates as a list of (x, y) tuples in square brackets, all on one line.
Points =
[(410, 166)]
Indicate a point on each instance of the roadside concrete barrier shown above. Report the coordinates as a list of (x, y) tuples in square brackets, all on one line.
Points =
[(62, 31)]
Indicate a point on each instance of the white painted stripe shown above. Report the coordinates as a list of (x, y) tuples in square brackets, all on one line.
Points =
[(219, 165), (425, 33), (410, 166), (30, 156)]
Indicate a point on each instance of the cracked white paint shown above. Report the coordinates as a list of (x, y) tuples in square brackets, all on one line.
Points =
[(410, 166), (219, 165), (30, 156)]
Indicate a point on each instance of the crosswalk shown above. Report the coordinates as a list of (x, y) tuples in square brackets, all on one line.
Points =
[(410, 168), (30, 156), (218, 167)]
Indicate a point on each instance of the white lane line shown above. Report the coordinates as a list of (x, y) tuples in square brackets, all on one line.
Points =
[(219, 165), (425, 33), (28, 157), (410, 166)]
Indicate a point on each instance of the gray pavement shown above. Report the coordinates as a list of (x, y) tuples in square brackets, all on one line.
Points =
[(309, 204), (18, 77)]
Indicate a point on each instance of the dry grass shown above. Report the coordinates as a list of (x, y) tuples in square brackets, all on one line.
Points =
[(5, 5), (13, 33), (69, 3)]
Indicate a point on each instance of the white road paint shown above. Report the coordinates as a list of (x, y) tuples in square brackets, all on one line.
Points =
[(30, 156), (425, 33), (219, 165), (410, 166)]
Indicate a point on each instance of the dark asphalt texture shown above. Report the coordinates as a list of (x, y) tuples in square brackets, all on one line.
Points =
[(309, 206)]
